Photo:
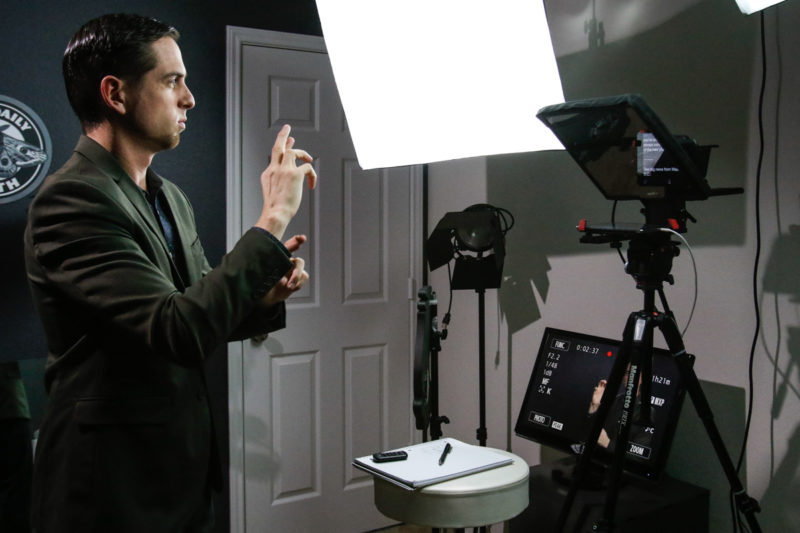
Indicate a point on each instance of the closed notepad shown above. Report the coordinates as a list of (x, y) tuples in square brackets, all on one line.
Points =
[(422, 467)]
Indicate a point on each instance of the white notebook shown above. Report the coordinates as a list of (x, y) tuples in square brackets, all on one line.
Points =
[(422, 467)]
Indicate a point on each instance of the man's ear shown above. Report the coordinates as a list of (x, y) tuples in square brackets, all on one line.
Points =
[(112, 91)]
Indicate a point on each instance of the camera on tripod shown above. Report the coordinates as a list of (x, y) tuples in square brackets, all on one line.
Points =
[(629, 154)]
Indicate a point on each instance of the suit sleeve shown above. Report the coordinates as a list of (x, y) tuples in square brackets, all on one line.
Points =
[(261, 320), (102, 262)]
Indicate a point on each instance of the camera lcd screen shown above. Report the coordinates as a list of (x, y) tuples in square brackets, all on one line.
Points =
[(566, 384)]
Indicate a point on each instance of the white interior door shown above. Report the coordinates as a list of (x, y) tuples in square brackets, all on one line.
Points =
[(335, 384)]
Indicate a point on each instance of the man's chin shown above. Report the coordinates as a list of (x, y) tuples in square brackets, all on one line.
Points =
[(170, 143)]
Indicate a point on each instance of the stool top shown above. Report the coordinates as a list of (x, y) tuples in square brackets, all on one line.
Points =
[(479, 499)]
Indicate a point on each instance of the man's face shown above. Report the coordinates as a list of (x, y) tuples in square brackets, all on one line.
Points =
[(158, 102)]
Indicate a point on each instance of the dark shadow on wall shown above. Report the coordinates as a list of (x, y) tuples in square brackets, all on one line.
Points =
[(547, 197), (779, 502), (695, 72), (692, 457), (781, 279), (781, 292)]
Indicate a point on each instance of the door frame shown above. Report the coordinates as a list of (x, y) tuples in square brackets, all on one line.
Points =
[(236, 38)]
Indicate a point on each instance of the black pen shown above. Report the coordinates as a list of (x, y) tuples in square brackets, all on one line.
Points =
[(446, 450)]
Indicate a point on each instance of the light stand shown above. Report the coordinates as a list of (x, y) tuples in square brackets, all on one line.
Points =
[(481, 433), (468, 235), (426, 366), (629, 154)]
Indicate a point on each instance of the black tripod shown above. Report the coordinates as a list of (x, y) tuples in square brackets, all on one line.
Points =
[(650, 256)]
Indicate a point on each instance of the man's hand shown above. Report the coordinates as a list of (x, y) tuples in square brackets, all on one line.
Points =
[(289, 284), (295, 243), (294, 280), (597, 396), (603, 440), (282, 183)]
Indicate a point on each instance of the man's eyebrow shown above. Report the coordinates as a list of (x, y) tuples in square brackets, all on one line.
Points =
[(174, 74)]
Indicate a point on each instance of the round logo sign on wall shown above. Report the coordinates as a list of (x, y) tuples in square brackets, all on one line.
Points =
[(25, 150)]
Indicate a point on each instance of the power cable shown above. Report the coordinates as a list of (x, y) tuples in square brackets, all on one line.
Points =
[(737, 519)]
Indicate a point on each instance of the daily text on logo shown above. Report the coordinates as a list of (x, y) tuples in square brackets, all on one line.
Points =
[(25, 150)]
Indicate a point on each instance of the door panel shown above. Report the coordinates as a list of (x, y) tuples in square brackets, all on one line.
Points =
[(335, 384)]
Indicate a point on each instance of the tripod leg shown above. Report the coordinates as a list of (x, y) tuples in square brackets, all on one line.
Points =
[(641, 352), (744, 503), (585, 458), (646, 384), (436, 424)]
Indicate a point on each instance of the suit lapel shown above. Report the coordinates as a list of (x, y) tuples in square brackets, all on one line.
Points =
[(136, 204), (137, 199), (134, 194)]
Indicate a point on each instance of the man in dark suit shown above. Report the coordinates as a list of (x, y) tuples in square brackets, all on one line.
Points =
[(129, 304)]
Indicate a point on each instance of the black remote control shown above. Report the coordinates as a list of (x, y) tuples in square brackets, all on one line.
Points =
[(385, 457)]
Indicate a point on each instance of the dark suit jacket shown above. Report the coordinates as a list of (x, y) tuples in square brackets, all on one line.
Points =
[(126, 443)]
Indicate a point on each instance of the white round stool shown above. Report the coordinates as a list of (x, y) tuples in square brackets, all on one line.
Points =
[(479, 499)]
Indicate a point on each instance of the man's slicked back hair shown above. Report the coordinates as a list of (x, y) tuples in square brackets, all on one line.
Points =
[(117, 45)]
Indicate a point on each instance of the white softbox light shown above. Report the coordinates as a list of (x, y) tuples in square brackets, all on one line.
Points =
[(751, 6), (432, 80)]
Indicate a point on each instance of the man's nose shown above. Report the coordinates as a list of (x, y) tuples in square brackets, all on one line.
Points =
[(187, 101)]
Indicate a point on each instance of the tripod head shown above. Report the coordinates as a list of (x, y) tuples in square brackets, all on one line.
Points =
[(650, 251)]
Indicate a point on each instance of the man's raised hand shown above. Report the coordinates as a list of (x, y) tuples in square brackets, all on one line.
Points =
[(282, 183)]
